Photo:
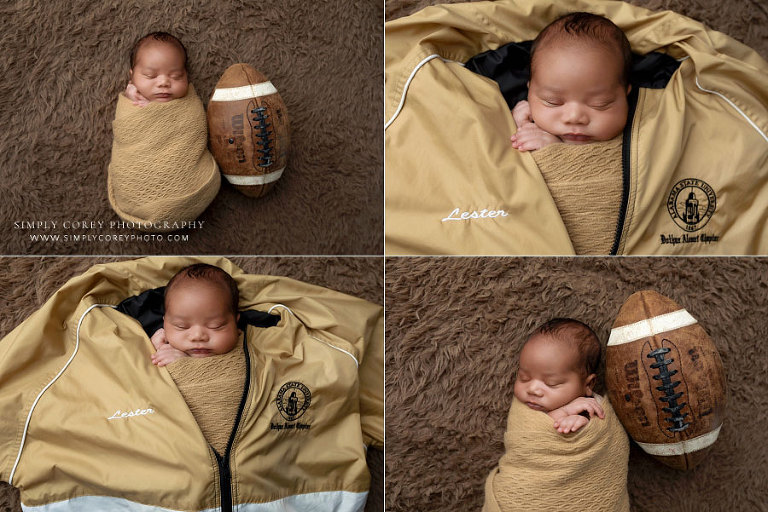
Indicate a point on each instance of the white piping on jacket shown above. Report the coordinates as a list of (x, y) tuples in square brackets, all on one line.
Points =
[(357, 363), (40, 395), (752, 123), (408, 83)]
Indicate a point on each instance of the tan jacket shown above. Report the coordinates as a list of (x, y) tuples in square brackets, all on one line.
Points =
[(88, 423), (696, 179)]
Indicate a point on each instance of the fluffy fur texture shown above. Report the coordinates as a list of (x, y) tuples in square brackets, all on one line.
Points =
[(455, 327), (28, 282), (63, 64)]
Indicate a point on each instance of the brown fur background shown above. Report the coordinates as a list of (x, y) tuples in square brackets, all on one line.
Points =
[(455, 327), (63, 64), (26, 283)]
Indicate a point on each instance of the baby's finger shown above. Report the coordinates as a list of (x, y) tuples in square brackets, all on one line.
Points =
[(528, 145), (596, 410)]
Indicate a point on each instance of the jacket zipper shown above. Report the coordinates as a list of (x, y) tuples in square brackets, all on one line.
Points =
[(626, 146), (225, 473)]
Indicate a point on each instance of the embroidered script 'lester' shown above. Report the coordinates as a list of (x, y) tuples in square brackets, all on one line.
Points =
[(485, 213), (119, 415)]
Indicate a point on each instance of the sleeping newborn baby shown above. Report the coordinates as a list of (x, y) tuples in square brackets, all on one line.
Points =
[(200, 317), (161, 176), (558, 368), (577, 94), (200, 346), (158, 69), (573, 120), (565, 449)]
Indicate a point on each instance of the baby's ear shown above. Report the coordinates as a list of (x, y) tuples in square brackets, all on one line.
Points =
[(589, 384)]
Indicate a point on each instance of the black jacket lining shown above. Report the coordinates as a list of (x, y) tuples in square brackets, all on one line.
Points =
[(148, 308), (508, 66)]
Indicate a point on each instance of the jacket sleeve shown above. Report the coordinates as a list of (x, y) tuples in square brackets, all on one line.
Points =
[(372, 384)]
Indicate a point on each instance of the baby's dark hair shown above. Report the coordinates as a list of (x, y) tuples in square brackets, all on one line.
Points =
[(584, 25), (578, 334), (163, 37), (209, 274)]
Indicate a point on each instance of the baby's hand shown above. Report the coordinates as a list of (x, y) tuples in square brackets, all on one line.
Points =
[(570, 424), (522, 114), (584, 404), (158, 339), (133, 94), (528, 136), (166, 354)]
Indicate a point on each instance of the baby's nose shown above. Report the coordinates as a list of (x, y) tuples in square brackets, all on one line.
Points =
[(575, 114), (534, 389), (198, 333)]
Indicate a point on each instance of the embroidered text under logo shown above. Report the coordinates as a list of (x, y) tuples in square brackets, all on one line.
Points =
[(485, 213), (119, 415)]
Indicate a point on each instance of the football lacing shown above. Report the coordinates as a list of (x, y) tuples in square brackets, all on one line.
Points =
[(262, 134), (668, 387)]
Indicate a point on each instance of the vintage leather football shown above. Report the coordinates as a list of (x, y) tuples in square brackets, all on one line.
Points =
[(248, 130), (665, 380)]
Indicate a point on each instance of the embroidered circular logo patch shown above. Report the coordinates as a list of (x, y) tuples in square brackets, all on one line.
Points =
[(293, 400), (691, 203)]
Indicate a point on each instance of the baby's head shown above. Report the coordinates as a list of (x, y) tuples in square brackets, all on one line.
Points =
[(558, 364), (580, 67), (201, 311), (159, 67)]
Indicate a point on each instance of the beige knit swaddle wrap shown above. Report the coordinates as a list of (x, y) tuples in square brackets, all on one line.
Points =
[(212, 387), (546, 471), (161, 171), (586, 184)]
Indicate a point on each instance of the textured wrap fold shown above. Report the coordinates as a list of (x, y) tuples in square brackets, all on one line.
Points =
[(161, 171), (585, 181), (544, 470), (212, 387)]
